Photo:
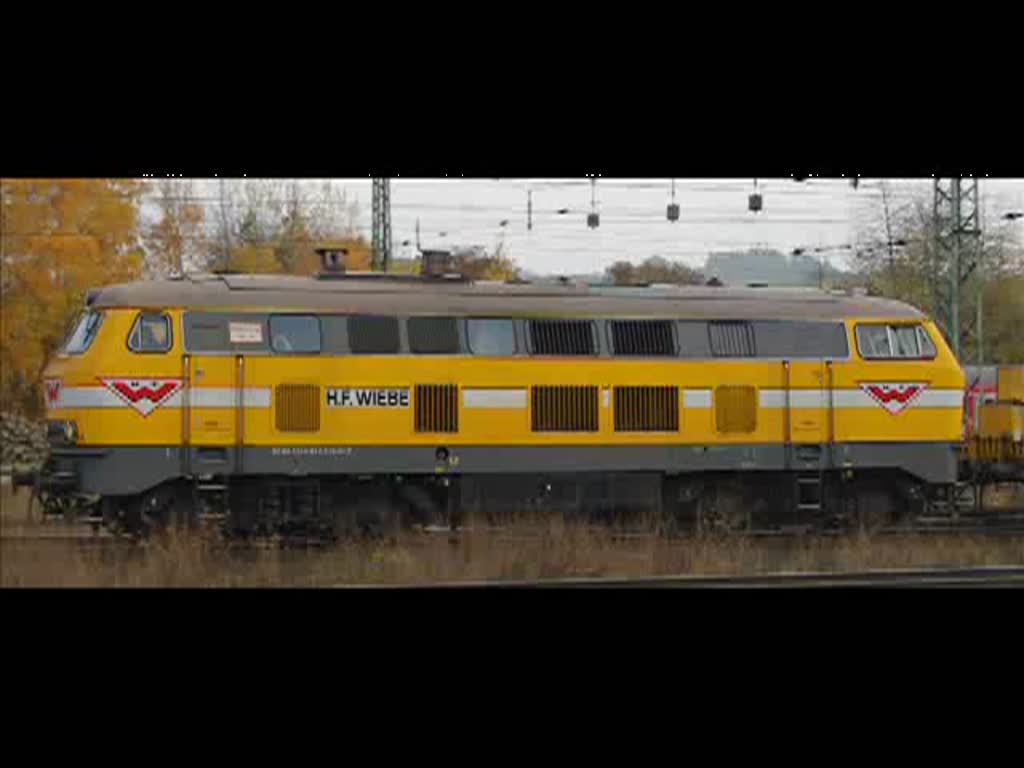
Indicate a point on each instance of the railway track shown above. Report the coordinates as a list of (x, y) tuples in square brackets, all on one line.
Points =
[(997, 576), (65, 539), (994, 576), (1006, 527)]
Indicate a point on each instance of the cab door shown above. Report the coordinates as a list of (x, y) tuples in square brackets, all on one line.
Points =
[(215, 374), (809, 396), (214, 389)]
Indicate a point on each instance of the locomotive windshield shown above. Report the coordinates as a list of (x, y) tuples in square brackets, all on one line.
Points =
[(84, 332), (906, 342)]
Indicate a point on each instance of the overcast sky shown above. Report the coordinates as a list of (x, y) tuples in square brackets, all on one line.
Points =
[(633, 226)]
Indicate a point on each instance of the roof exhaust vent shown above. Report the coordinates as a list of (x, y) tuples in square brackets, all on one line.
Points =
[(437, 264), (332, 261)]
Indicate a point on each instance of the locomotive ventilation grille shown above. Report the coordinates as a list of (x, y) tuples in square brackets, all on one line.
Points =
[(646, 409), (297, 407), (562, 337), (563, 409), (732, 339), (643, 337), (437, 408), (736, 409)]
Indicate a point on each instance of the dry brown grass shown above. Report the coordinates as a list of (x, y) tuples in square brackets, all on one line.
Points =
[(1004, 495), (557, 551)]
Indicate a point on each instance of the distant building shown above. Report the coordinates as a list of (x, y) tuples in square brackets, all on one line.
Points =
[(769, 267)]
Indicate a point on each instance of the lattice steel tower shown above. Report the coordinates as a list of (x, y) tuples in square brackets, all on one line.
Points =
[(957, 240), (381, 224)]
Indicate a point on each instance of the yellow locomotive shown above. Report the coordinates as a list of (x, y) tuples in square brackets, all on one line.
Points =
[(324, 404)]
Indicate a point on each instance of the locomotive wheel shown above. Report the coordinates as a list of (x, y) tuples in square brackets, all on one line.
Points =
[(243, 513), (423, 509), (165, 508), (677, 516), (133, 518), (876, 508), (379, 516), (57, 506), (344, 519), (179, 510), (722, 510), (361, 511)]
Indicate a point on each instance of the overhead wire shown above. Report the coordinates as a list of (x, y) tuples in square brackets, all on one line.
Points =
[(567, 223)]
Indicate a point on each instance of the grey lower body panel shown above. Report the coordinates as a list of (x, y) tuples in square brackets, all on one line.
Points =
[(129, 470), (932, 462), (119, 470)]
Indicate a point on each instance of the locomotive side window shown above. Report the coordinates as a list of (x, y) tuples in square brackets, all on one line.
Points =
[(334, 334), (295, 334), (151, 333), (894, 342), (801, 339), (219, 332), (433, 335), (85, 331), (370, 335), (496, 338), (693, 339)]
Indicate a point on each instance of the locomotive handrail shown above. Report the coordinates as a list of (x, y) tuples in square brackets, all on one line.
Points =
[(830, 381), (79, 452), (186, 416), (240, 412), (787, 417)]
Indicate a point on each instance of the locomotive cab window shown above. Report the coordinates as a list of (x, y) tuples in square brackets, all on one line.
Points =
[(84, 332), (894, 342), (151, 333), (295, 334), (492, 337), (927, 345)]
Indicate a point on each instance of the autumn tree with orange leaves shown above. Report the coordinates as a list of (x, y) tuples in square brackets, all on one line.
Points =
[(477, 263), (58, 239)]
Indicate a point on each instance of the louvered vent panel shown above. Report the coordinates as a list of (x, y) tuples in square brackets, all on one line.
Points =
[(643, 337), (732, 339), (564, 409), (646, 409), (561, 337), (297, 407), (437, 408), (736, 409)]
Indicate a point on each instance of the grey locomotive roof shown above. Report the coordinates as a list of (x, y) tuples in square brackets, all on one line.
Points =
[(364, 294)]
